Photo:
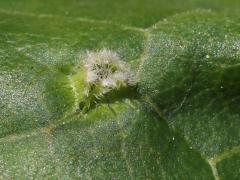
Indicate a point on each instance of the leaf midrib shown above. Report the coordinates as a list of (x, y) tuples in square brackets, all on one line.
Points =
[(71, 19)]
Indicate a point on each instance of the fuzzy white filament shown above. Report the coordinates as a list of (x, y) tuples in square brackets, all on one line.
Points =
[(105, 69)]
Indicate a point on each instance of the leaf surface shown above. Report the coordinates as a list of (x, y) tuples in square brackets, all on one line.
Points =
[(184, 124)]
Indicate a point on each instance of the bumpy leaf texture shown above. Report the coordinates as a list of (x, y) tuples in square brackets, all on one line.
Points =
[(184, 122)]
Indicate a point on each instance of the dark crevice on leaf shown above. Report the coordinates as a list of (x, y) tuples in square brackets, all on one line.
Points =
[(112, 96)]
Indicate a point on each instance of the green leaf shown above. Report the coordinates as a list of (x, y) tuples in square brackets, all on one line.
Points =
[(180, 122), (191, 72)]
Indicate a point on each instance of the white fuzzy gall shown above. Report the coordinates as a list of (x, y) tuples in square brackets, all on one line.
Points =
[(105, 69)]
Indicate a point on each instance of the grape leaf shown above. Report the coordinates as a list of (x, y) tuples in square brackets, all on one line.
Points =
[(182, 120)]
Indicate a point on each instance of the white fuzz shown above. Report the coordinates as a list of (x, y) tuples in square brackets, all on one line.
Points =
[(105, 69)]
